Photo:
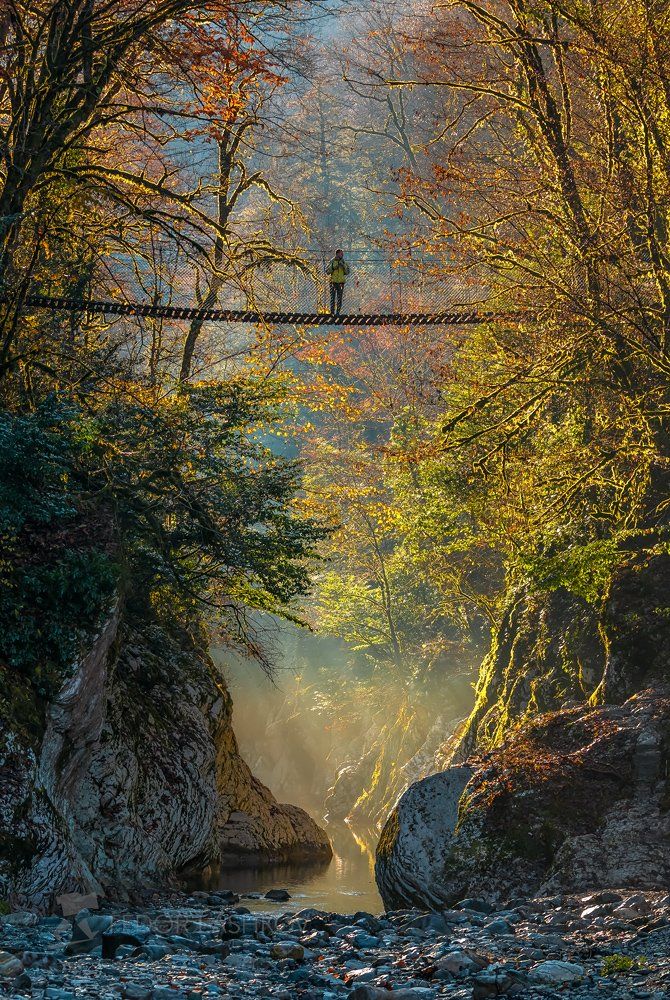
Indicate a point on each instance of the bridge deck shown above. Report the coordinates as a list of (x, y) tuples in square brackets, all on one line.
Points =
[(457, 317)]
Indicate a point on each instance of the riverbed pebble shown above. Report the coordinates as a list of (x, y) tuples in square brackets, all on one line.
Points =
[(10, 966)]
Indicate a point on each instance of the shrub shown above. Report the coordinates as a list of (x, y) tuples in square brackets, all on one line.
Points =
[(179, 498), (616, 964), (56, 579)]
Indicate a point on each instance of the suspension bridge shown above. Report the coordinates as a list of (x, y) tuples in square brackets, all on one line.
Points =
[(378, 293), (191, 314)]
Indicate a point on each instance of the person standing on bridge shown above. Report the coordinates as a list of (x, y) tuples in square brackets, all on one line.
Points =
[(338, 269)]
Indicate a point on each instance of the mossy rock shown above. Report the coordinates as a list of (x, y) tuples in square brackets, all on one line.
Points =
[(555, 807)]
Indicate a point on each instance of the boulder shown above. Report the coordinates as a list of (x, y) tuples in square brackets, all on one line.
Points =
[(478, 905), (416, 843), (456, 962), (87, 932), (495, 983), (557, 972), (20, 918), (499, 822), (288, 949), (278, 895), (10, 966)]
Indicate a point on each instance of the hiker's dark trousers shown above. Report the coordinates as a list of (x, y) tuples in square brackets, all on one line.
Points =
[(336, 289)]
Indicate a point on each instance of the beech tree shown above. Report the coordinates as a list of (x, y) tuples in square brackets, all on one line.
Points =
[(240, 246)]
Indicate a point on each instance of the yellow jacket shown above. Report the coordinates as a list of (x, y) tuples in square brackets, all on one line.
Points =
[(338, 271)]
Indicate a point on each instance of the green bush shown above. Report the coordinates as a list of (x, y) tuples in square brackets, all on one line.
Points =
[(179, 499), (616, 964), (45, 610), (36, 459)]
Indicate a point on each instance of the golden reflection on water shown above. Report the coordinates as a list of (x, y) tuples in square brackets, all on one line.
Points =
[(344, 884)]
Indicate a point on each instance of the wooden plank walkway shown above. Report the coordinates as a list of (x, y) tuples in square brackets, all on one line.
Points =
[(460, 317)]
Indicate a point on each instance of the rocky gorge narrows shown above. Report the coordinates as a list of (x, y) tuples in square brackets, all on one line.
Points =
[(134, 776), (537, 866)]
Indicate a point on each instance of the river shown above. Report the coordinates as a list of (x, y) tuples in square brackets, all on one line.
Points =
[(344, 884)]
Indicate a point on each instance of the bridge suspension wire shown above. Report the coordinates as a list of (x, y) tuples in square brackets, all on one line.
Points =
[(466, 317)]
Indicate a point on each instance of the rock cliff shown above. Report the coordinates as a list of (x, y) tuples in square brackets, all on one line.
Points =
[(134, 776), (577, 799), (561, 776)]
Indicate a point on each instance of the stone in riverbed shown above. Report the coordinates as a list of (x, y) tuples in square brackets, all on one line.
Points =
[(456, 962), (427, 922), (637, 902), (87, 932), (358, 976), (599, 910), (491, 984), (240, 962), (20, 918), (155, 951), (605, 896), (228, 897), (626, 913), (23, 984), (309, 913), (478, 905), (40, 960), (557, 972), (364, 941), (497, 927), (123, 932), (241, 925), (278, 895), (10, 965), (288, 949)]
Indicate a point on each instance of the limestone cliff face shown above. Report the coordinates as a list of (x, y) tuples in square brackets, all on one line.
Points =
[(554, 649), (569, 753), (136, 777)]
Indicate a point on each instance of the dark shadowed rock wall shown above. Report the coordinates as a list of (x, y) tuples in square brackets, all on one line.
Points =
[(135, 777)]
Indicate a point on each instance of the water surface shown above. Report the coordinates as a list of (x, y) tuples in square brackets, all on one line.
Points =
[(343, 885)]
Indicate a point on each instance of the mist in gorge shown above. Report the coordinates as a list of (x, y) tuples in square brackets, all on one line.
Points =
[(334, 735)]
